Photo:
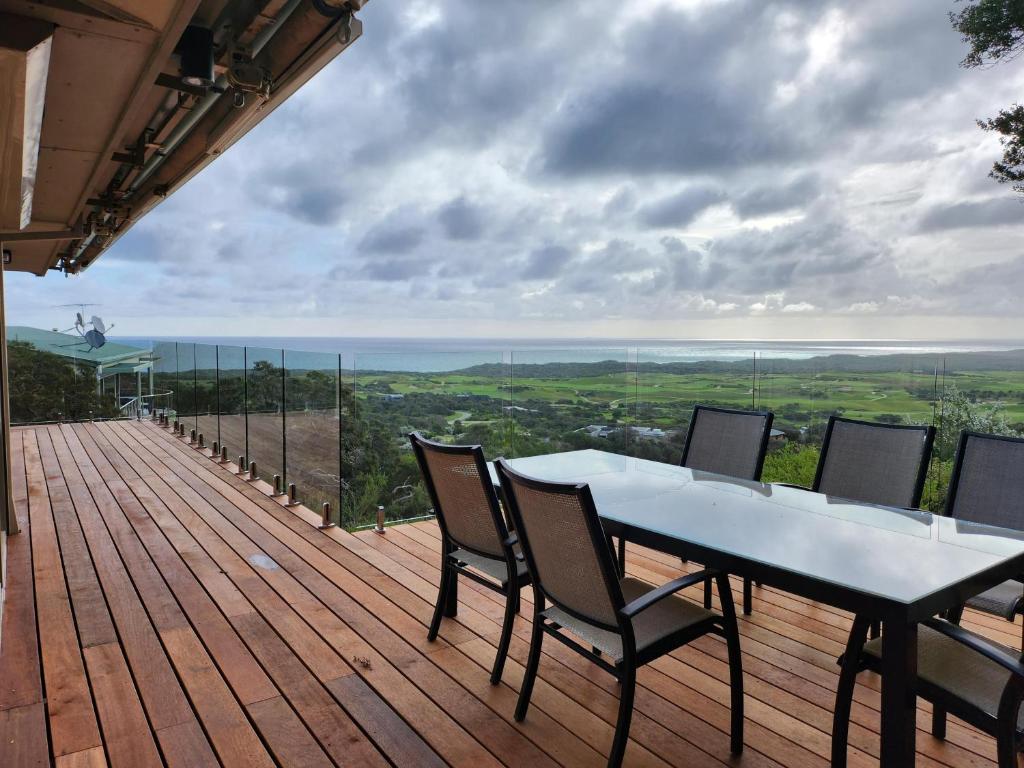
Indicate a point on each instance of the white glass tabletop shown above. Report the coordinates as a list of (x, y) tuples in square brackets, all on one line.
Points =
[(899, 555)]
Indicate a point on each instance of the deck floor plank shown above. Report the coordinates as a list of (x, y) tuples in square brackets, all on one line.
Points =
[(239, 634), (23, 730), (288, 577), (251, 684), (74, 727)]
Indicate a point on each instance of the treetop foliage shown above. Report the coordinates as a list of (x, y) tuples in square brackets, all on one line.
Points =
[(994, 29)]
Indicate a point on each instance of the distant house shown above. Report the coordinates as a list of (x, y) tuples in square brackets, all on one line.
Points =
[(598, 430), (394, 396), (777, 436), (108, 363), (650, 433)]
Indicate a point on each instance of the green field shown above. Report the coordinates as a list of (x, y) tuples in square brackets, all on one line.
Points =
[(911, 397)]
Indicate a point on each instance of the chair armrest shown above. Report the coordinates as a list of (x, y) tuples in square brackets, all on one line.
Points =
[(793, 485), (645, 601), (976, 643)]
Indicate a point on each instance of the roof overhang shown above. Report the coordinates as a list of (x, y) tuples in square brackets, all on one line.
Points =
[(105, 127)]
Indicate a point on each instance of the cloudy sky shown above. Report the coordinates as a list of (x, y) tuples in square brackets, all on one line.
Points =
[(657, 168)]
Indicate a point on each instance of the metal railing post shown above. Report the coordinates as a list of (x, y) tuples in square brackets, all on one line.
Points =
[(216, 387), (325, 516), (284, 418), (380, 520)]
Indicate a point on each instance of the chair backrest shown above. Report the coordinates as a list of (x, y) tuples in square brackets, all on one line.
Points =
[(874, 463), (727, 442), (463, 495), (564, 545), (987, 485)]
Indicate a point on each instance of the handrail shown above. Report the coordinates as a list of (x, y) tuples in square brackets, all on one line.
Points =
[(132, 408)]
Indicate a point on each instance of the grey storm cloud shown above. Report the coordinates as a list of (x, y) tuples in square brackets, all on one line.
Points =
[(395, 269), (766, 199), (546, 262), (301, 191), (322, 205), (995, 212), (461, 219), (529, 159), (390, 236), (698, 94), (680, 209), (623, 202)]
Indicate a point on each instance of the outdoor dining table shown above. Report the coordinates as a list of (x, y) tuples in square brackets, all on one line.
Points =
[(892, 565)]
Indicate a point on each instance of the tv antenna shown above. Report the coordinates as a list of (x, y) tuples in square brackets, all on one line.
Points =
[(93, 331)]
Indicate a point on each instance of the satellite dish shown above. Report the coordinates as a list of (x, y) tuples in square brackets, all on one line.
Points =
[(95, 339)]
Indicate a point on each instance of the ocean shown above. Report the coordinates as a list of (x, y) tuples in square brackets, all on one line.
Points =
[(424, 355)]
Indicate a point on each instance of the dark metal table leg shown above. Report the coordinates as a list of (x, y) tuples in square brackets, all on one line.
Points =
[(899, 702)]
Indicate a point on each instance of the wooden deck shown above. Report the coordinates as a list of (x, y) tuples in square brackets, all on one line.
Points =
[(164, 611)]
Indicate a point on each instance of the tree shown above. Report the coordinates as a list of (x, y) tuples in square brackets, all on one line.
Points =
[(994, 29), (47, 387)]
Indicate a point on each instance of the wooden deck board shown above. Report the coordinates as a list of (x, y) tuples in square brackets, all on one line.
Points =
[(164, 611)]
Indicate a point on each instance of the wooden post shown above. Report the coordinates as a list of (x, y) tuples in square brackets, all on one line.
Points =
[(8, 520)]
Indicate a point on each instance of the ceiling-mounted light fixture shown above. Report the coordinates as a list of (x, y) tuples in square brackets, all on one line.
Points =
[(196, 51)]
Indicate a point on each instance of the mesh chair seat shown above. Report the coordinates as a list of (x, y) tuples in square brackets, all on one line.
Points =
[(496, 569), (953, 667), (662, 619), (874, 463), (727, 442), (1006, 600), (986, 487)]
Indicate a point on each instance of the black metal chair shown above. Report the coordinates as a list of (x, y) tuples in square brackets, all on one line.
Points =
[(475, 541), (987, 486), (624, 623), (723, 441), (975, 679), (874, 463)]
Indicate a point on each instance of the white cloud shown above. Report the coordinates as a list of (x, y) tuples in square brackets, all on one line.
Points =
[(800, 306)]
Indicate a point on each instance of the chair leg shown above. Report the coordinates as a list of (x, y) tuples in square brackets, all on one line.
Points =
[(1008, 742), (707, 593), (938, 722), (844, 693), (442, 592), (748, 597), (511, 606), (627, 690), (622, 556), (876, 630), (732, 641), (451, 597), (532, 662)]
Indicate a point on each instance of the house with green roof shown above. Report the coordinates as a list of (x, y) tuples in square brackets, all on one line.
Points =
[(109, 362)]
